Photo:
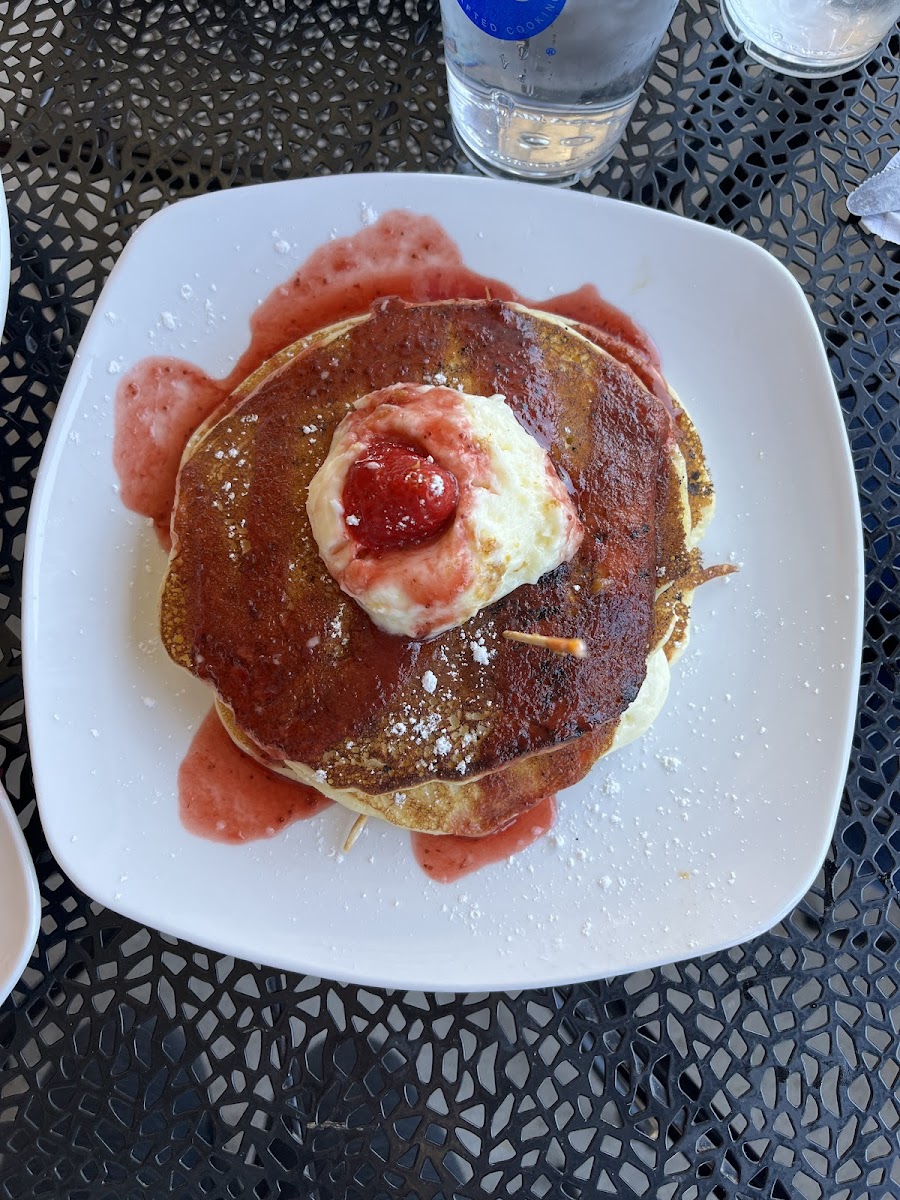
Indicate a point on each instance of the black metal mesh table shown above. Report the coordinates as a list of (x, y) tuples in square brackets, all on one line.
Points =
[(132, 1065)]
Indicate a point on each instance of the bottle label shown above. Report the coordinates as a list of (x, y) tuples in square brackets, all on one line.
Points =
[(512, 20)]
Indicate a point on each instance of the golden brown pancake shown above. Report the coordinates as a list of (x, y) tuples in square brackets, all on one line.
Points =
[(309, 685)]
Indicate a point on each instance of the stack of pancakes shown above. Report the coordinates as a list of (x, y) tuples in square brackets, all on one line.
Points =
[(461, 733)]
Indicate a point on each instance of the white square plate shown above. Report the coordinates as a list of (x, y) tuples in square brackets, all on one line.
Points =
[(701, 835)]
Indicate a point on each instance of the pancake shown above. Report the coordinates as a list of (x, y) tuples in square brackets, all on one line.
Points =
[(463, 732)]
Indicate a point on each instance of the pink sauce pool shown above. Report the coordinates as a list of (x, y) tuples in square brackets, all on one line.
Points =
[(445, 858), (225, 796)]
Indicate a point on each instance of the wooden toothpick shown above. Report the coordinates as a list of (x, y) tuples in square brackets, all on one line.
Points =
[(574, 646), (355, 830)]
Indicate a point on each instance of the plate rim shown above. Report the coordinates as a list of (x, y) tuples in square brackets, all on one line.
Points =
[(16, 841), (28, 890)]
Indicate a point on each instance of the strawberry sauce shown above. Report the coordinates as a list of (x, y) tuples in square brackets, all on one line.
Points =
[(223, 794), (445, 858)]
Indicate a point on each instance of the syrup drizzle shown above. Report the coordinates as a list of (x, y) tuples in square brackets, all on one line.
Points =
[(223, 794)]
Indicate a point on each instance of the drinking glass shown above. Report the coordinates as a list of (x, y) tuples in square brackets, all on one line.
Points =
[(811, 38)]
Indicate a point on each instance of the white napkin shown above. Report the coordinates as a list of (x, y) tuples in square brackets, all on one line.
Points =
[(877, 202)]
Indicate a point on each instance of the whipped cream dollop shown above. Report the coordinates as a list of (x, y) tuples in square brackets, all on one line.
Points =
[(513, 521)]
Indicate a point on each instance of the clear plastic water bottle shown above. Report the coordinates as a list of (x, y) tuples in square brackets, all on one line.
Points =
[(544, 88)]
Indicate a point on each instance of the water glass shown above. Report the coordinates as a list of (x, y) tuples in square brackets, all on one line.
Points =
[(810, 38)]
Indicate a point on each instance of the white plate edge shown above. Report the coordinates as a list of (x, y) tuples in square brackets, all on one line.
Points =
[(30, 888)]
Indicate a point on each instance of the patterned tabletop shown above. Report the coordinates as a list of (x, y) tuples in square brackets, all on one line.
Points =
[(134, 1065)]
